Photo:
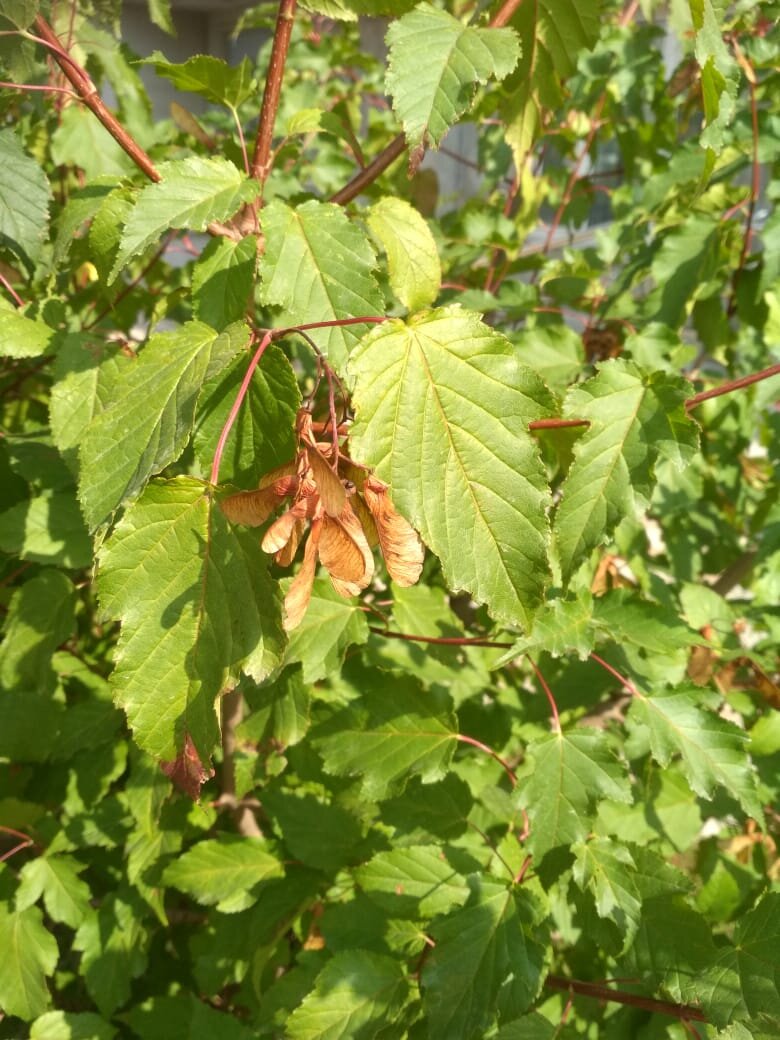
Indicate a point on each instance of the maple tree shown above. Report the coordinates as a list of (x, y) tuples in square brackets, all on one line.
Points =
[(389, 583)]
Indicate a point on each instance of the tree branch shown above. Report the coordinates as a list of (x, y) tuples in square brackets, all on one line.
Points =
[(616, 996), (232, 713), (261, 161), (735, 384), (88, 94)]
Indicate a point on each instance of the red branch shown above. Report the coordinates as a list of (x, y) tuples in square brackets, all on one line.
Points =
[(88, 94), (735, 384), (547, 692), (622, 679), (261, 162), (264, 343), (616, 996)]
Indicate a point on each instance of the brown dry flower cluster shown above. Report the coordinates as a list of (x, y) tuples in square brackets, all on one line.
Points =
[(348, 512)]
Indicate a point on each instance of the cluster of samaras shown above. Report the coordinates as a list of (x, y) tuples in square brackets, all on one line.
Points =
[(349, 511)]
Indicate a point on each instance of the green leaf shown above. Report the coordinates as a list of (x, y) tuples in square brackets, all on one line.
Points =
[(442, 410), (553, 34), (606, 869), (686, 259), (277, 711), (29, 955), (317, 267), (719, 76), (263, 435), (416, 881), (435, 63), (561, 627), (161, 1018), (71, 1025), (24, 215), (56, 878), (412, 257), (330, 626), (222, 871), (386, 739), (483, 962), (196, 605), (222, 279), (160, 14), (20, 13), (356, 994), (82, 141), (112, 941), (318, 831), (754, 960), (48, 528), (40, 617), (625, 618), (529, 1027), (81, 206), (192, 193), (714, 751), (211, 78), (554, 352), (427, 812), (22, 337), (87, 374), (572, 772), (636, 418), (146, 423), (105, 231)]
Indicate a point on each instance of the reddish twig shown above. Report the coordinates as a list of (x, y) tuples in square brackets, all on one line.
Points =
[(369, 173), (25, 843), (735, 384), (489, 751), (616, 996), (547, 692), (501, 18), (88, 94), (556, 424), (261, 162), (11, 291)]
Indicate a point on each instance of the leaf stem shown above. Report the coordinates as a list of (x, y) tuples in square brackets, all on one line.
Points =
[(11, 291), (88, 94), (547, 692), (489, 751), (616, 996), (264, 343), (626, 682), (441, 640), (261, 161)]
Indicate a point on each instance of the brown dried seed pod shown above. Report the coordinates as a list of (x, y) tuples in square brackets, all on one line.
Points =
[(345, 553), (329, 486), (298, 595), (401, 546)]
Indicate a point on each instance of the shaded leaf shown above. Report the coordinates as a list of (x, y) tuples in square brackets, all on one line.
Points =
[(263, 435), (112, 941), (209, 77), (196, 604), (484, 962), (24, 215), (65, 895), (222, 279), (22, 337), (572, 773)]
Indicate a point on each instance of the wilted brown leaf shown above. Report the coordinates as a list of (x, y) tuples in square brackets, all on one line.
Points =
[(187, 771)]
